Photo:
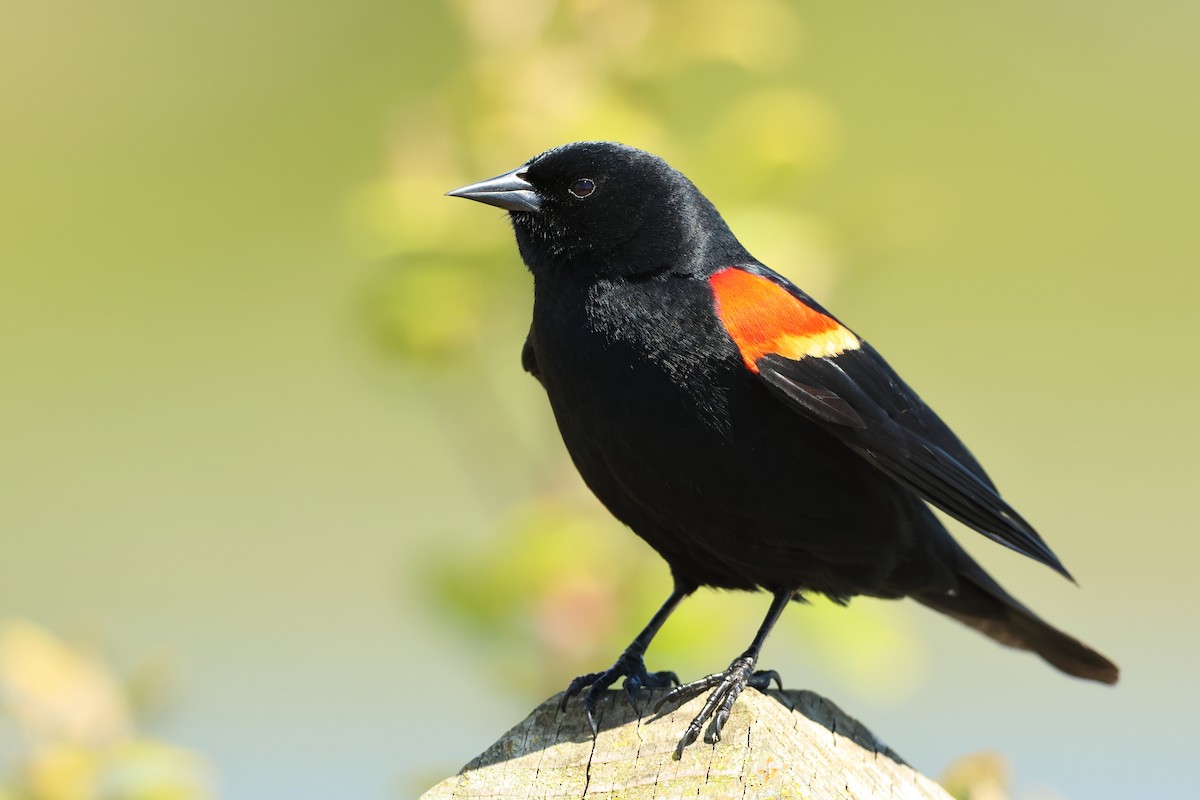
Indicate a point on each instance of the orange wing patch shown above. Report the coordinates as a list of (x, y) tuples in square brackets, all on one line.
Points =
[(762, 317)]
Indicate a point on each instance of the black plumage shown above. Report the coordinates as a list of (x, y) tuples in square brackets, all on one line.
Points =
[(740, 429)]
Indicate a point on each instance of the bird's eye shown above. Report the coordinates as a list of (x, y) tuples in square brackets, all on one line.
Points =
[(583, 187)]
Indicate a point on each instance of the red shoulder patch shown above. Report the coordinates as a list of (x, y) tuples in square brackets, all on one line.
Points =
[(762, 317)]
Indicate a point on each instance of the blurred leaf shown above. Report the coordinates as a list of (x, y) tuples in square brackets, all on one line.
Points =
[(428, 312), (63, 772), (793, 135), (547, 591), (74, 715), (871, 645), (141, 769), (978, 776), (760, 35), (56, 692)]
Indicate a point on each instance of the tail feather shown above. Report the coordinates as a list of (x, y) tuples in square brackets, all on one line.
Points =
[(980, 602)]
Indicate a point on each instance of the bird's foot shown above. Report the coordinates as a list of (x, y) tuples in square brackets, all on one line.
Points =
[(726, 687), (629, 666)]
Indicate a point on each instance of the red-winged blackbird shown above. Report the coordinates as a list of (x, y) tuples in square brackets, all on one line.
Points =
[(736, 425)]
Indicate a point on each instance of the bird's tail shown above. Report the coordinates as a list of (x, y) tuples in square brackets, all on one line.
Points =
[(980, 602)]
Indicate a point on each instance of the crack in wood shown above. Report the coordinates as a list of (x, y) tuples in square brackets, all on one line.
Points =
[(789, 744)]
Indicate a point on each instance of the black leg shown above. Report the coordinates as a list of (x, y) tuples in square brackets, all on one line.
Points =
[(728, 685), (630, 665)]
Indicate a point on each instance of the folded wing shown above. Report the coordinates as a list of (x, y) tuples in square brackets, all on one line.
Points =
[(819, 368)]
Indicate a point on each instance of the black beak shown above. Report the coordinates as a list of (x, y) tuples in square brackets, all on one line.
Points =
[(510, 191)]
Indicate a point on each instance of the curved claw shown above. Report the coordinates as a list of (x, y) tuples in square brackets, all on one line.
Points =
[(576, 686), (690, 735), (629, 666), (593, 723), (726, 687), (652, 680), (761, 680), (664, 679), (592, 699)]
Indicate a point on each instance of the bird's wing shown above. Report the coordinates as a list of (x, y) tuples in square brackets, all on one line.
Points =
[(822, 370)]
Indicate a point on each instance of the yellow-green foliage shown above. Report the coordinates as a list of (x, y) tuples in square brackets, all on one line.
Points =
[(77, 723)]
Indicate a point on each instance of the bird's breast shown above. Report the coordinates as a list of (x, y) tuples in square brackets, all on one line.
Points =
[(634, 355)]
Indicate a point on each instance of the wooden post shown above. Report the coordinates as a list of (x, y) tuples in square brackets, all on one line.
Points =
[(791, 744)]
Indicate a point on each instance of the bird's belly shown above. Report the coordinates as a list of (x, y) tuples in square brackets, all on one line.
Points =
[(729, 486)]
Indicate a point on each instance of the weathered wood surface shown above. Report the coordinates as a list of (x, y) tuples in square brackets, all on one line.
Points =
[(791, 744)]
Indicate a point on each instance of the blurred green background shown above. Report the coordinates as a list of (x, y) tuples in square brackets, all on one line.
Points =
[(282, 516)]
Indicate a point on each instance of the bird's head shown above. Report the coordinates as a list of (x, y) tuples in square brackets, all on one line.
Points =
[(602, 209)]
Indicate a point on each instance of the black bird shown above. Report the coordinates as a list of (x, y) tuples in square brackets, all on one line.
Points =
[(737, 426)]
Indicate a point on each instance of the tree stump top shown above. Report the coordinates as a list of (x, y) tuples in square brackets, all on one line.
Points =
[(792, 744)]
